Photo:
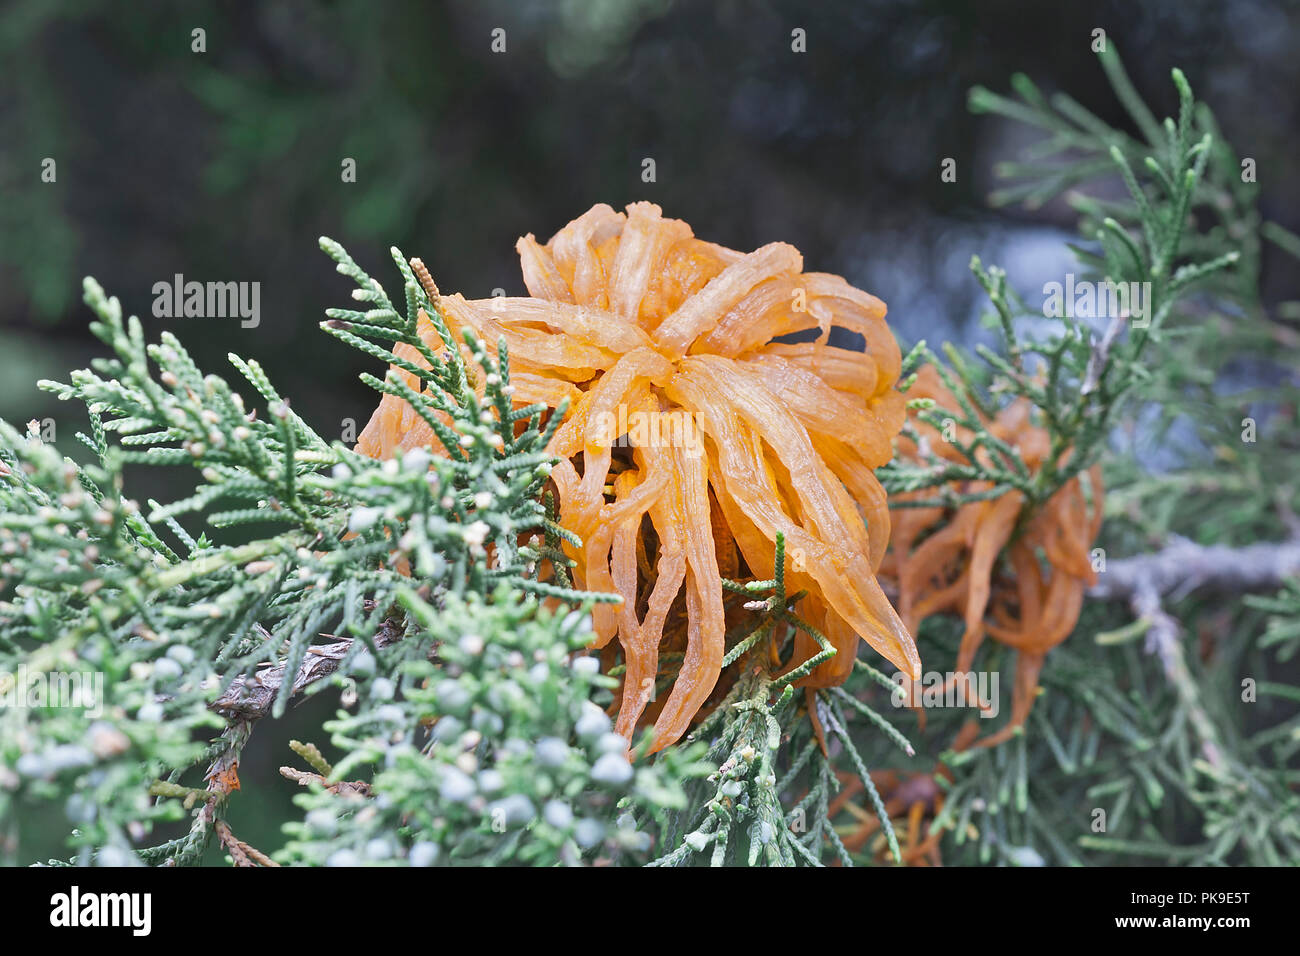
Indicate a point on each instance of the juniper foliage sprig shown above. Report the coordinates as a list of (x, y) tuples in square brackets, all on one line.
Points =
[(1113, 769), (493, 755), (1137, 753), (315, 546), (1077, 377)]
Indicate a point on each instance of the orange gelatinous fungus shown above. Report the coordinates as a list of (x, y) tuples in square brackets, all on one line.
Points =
[(693, 438), (954, 567)]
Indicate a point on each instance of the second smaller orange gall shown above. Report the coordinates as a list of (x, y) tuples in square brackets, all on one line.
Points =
[(950, 562)]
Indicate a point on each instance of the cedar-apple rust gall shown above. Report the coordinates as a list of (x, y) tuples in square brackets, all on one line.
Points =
[(693, 436)]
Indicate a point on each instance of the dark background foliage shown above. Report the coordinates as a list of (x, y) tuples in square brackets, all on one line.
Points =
[(225, 165)]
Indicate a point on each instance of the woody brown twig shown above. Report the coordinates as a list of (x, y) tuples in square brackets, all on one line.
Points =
[(1173, 572)]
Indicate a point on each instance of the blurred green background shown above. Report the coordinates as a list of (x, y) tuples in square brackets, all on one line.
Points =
[(225, 165)]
